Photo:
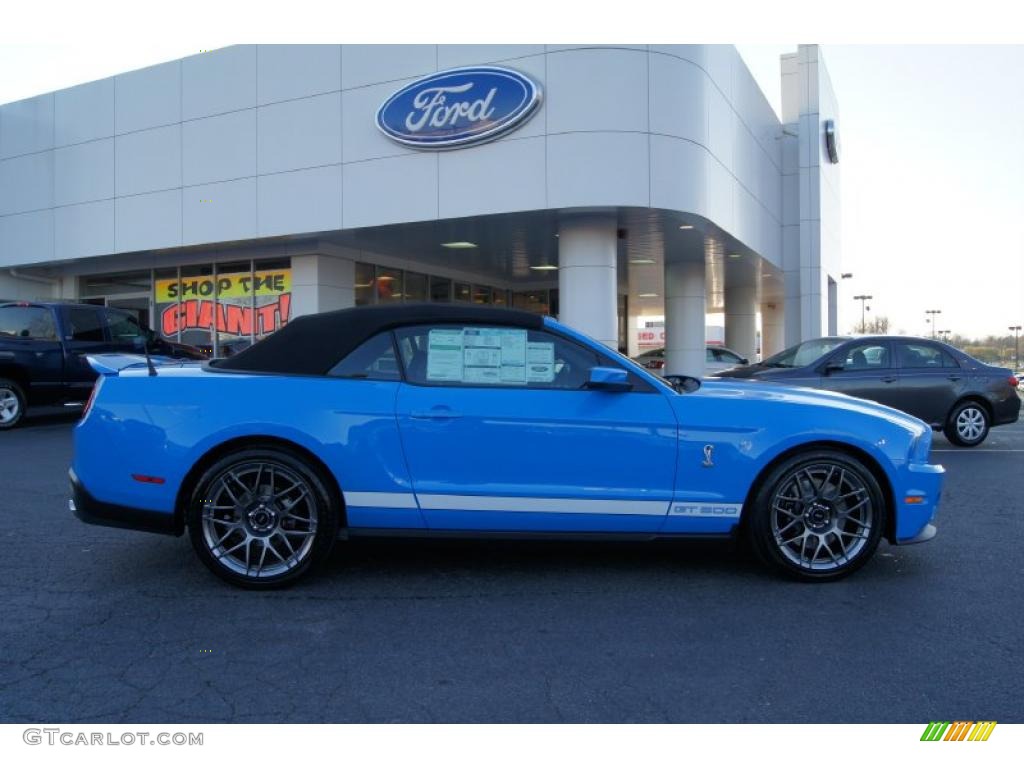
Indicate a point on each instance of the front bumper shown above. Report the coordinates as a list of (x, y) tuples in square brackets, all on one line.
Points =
[(913, 518), (90, 510)]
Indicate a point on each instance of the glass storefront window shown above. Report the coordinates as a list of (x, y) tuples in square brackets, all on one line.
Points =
[(500, 298), (531, 301), (272, 295), (364, 284), (440, 289), (389, 285), (463, 292), (415, 287), (166, 290), (234, 313), (481, 294), (115, 284), (195, 306)]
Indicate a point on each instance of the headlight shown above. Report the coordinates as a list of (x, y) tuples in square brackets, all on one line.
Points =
[(921, 447)]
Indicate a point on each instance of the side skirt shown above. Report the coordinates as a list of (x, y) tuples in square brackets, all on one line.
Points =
[(417, 533)]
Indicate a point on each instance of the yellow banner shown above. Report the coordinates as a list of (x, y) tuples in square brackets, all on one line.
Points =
[(238, 285)]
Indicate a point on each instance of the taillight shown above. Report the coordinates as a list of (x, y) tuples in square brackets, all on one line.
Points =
[(1013, 381), (92, 397)]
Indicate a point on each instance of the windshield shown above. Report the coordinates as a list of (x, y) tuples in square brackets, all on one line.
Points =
[(802, 354)]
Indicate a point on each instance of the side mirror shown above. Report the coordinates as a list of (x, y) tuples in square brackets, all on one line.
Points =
[(744, 361), (608, 380), (832, 367)]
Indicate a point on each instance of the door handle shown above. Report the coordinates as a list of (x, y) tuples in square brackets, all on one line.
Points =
[(954, 377), (888, 379), (437, 414)]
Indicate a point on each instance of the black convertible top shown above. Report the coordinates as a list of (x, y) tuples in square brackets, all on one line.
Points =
[(313, 344)]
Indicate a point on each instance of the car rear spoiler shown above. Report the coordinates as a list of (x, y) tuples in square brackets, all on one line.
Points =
[(112, 363)]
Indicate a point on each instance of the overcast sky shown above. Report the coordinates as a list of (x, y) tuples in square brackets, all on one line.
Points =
[(932, 167)]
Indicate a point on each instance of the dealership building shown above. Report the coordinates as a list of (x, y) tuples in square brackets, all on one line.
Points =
[(635, 192)]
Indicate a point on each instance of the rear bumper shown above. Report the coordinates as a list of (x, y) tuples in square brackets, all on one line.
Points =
[(90, 510), (1006, 411)]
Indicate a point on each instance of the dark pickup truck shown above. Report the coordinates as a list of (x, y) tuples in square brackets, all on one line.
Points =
[(43, 348)]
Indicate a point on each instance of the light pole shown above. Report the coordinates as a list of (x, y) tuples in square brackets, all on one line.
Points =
[(933, 313), (863, 298), (1016, 346)]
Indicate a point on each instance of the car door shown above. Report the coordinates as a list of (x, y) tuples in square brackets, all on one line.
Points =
[(32, 349), (863, 370), (931, 380), (84, 334), (501, 433)]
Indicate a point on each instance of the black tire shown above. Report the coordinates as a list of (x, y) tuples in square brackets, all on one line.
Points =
[(12, 404), (967, 425), (262, 496), (828, 516)]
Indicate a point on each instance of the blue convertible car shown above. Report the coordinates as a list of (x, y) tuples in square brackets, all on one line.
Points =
[(446, 420)]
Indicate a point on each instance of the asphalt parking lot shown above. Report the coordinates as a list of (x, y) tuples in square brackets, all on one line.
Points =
[(115, 626)]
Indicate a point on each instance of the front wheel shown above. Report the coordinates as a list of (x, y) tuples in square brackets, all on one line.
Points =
[(817, 516), (262, 518), (967, 425)]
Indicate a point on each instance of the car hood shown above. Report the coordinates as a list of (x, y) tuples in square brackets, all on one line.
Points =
[(764, 391)]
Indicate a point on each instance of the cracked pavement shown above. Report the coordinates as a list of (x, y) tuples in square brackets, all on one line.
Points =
[(104, 625)]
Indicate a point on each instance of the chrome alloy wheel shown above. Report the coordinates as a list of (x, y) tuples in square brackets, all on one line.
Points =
[(260, 520), (970, 424), (10, 406), (821, 516)]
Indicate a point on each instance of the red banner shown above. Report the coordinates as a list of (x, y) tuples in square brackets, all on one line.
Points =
[(230, 318)]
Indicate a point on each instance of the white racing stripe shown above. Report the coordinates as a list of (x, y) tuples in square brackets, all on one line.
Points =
[(527, 504), (374, 499), (465, 503)]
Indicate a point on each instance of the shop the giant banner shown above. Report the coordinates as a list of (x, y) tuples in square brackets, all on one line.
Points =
[(190, 304)]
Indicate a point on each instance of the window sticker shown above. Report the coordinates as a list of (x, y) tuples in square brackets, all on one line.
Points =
[(540, 362), (493, 355), (444, 354)]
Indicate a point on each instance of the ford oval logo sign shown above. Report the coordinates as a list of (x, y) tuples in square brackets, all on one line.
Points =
[(458, 107)]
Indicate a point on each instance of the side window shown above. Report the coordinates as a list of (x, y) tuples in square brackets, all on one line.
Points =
[(123, 327), (485, 356), (27, 323), (923, 356), (866, 357), (84, 324), (725, 356), (709, 355), (373, 360)]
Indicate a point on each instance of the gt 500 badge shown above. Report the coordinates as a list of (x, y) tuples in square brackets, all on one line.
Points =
[(707, 510)]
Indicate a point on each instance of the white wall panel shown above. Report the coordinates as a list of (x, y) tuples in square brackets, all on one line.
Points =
[(84, 113)]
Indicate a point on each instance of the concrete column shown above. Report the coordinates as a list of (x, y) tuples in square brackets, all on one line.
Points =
[(741, 319), (321, 283), (587, 281), (632, 328), (773, 330), (685, 310)]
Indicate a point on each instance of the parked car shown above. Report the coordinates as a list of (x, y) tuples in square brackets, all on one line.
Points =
[(451, 420), (42, 348), (929, 379), (717, 359)]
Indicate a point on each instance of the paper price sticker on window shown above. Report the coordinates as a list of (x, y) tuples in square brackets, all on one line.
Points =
[(444, 354), (540, 362)]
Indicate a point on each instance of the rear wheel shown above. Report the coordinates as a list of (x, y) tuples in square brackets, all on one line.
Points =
[(817, 516), (262, 518), (12, 404), (967, 425)]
